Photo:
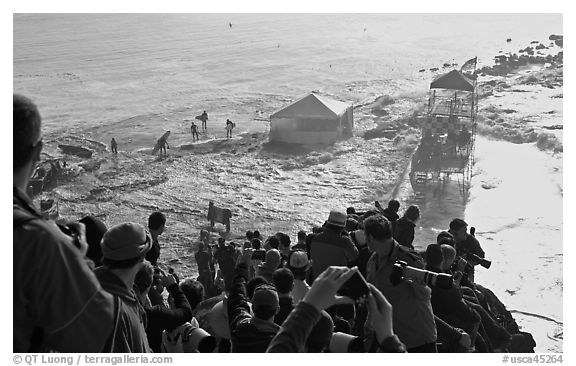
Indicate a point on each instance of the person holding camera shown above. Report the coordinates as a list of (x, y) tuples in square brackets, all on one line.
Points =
[(251, 330), (160, 318), (447, 303), (413, 316), (295, 331), (58, 304), (494, 335), (465, 242)]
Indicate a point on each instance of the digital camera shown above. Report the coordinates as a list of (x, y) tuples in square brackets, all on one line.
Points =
[(355, 287)]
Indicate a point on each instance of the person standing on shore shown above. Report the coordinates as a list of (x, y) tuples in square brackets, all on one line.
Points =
[(194, 130), (114, 146), (204, 118), (229, 126), (58, 303)]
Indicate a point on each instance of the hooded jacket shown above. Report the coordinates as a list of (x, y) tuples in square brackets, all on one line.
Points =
[(130, 336)]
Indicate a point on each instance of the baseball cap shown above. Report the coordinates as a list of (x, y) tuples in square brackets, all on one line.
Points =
[(298, 259), (125, 241)]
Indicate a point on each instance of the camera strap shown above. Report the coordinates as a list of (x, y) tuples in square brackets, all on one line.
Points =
[(109, 346)]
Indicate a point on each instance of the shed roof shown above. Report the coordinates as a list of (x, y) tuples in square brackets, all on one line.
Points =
[(313, 105), (453, 80)]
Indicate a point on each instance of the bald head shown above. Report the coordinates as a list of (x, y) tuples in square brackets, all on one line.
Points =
[(449, 254)]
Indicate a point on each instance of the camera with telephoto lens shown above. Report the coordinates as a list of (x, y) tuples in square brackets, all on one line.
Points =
[(467, 265), (474, 260), (345, 343), (202, 341), (402, 271)]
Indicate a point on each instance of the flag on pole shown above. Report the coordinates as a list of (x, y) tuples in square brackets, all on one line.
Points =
[(469, 66)]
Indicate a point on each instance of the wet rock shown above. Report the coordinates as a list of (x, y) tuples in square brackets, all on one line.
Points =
[(554, 37), (527, 50), (559, 42), (76, 150), (379, 133), (90, 166)]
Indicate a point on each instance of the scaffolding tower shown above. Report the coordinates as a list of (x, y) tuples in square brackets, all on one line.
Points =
[(446, 149)]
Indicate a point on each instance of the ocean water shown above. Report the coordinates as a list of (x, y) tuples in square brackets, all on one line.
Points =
[(90, 70), (133, 76)]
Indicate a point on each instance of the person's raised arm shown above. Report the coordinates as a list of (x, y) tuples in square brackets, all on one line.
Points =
[(238, 308)]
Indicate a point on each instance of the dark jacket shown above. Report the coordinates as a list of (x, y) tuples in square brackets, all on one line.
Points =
[(160, 318), (204, 261), (391, 216), (58, 304), (286, 306), (448, 305), (413, 318), (448, 336), (154, 253), (330, 248), (470, 245), (131, 332), (404, 232), (248, 333), (292, 336)]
